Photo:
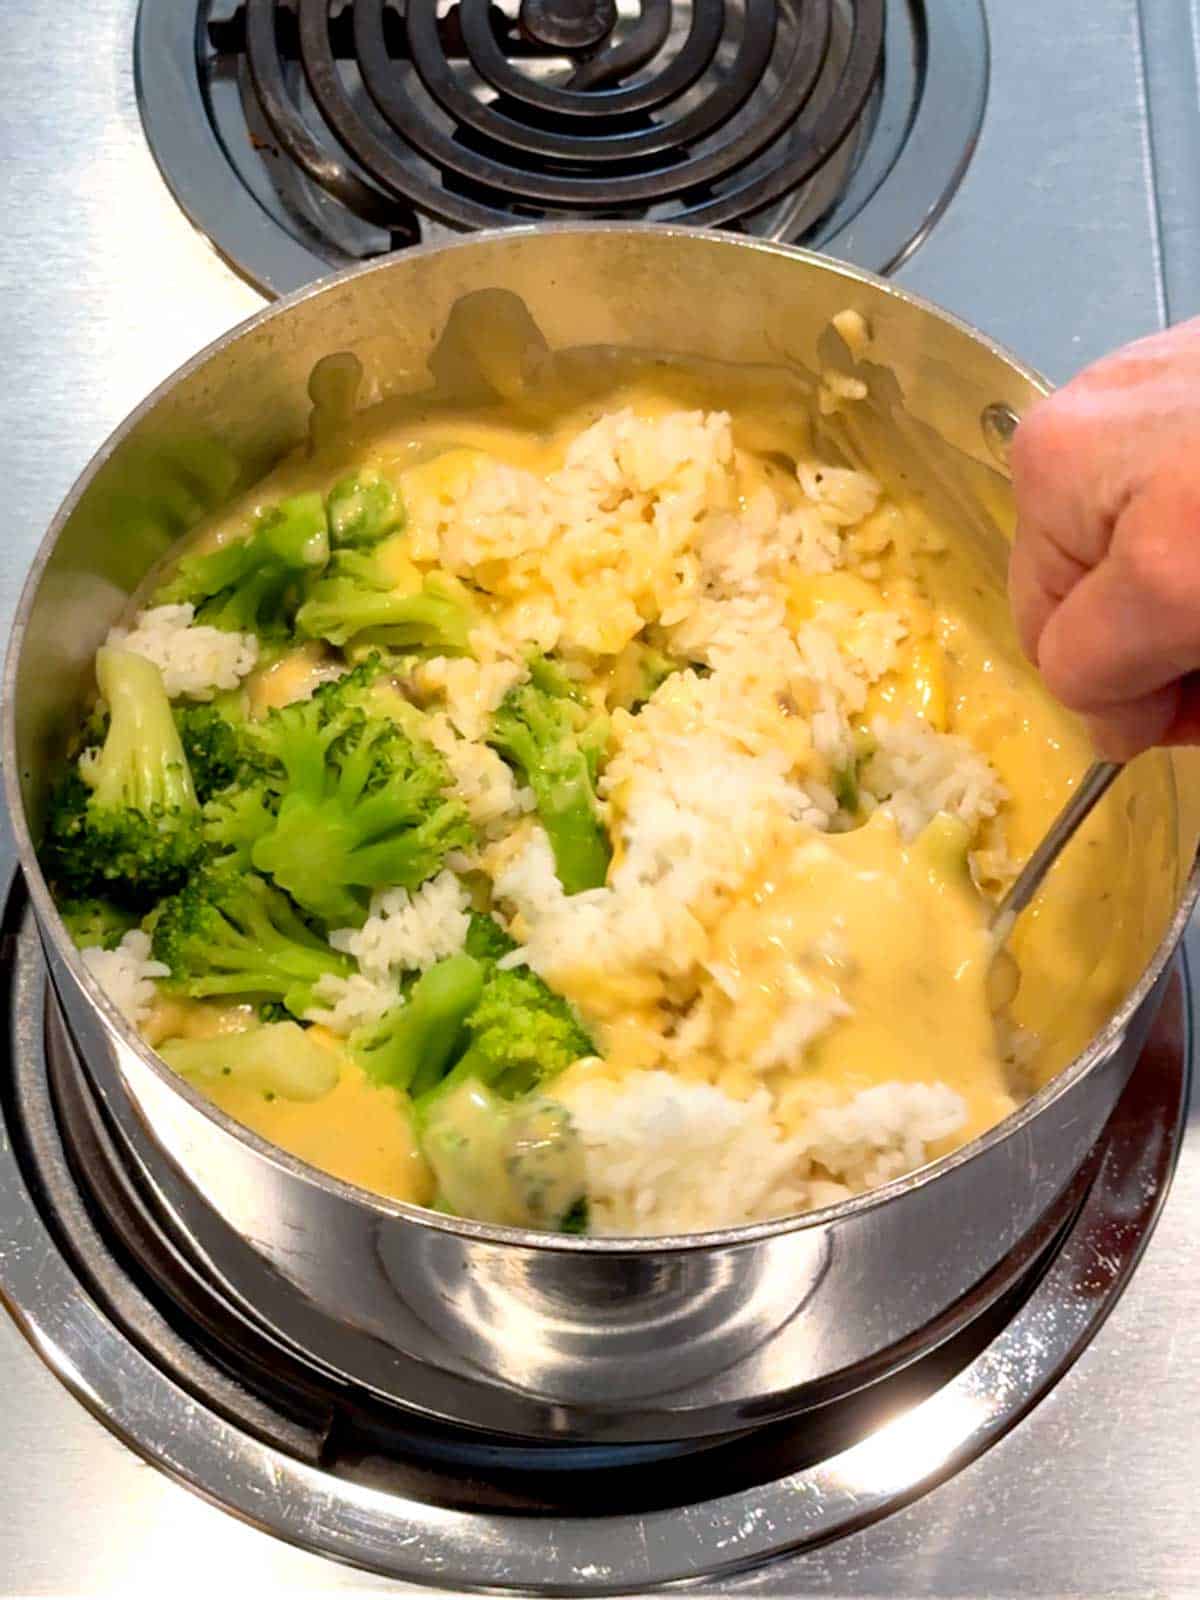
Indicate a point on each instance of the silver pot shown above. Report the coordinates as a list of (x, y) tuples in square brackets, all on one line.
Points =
[(550, 1337)]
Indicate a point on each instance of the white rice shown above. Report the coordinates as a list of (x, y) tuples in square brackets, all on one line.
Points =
[(883, 1131), (668, 1156), (808, 1013), (485, 784), (844, 495), (469, 690), (678, 849), (408, 932), (195, 661), (654, 521), (127, 974), (920, 772), (353, 1002)]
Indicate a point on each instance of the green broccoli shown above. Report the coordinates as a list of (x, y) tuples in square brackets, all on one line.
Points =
[(522, 1165), (229, 932), (235, 819), (943, 845), (636, 673), (274, 1011), (845, 787), (362, 804), (278, 1058), (253, 585), (95, 922), (577, 1218), (519, 1035), (124, 822), (356, 599), (410, 1046), (363, 508), (486, 940), (212, 746), (555, 743)]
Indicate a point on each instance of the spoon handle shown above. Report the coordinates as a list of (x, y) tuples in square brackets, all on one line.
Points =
[(1094, 785)]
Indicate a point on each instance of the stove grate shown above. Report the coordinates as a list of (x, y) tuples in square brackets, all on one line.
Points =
[(304, 134), (706, 113)]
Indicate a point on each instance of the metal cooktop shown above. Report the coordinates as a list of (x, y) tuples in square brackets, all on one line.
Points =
[(1076, 225)]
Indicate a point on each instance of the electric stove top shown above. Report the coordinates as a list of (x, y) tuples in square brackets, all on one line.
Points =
[(1030, 167)]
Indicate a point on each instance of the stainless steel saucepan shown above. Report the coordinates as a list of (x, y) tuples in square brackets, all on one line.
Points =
[(495, 1328)]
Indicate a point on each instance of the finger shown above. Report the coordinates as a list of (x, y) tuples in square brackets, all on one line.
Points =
[(1121, 732), (1040, 576), (1185, 725), (1068, 476), (1133, 625)]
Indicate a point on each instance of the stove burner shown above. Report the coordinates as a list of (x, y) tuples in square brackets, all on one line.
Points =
[(570, 24), (735, 109), (360, 126)]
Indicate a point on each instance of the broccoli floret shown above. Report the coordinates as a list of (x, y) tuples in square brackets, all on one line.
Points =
[(486, 940), (253, 585), (229, 932), (279, 1058), (211, 744), (362, 804), (519, 1036), (552, 677), (410, 1046), (556, 743), (357, 599), (519, 1164), (845, 787), (235, 820), (637, 673), (95, 922), (124, 822), (363, 508), (274, 1011)]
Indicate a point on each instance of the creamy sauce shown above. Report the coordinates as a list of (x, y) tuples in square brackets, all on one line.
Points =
[(357, 1132), (291, 676), (910, 952), (912, 955)]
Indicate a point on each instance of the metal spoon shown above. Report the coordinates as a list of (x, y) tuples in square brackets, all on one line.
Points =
[(1096, 782)]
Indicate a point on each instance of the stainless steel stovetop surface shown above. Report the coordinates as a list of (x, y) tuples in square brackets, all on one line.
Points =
[(1077, 227)]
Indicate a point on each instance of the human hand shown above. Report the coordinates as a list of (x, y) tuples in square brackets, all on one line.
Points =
[(1105, 571)]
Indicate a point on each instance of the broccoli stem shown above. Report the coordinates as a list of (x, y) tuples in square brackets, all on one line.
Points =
[(519, 1164), (278, 1058), (141, 764), (556, 747), (410, 1046)]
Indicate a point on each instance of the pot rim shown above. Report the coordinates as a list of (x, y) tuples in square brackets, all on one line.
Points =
[(54, 930)]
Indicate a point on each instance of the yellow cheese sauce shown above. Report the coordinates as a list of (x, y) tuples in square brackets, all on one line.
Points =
[(357, 1132), (908, 949), (911, 955)]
